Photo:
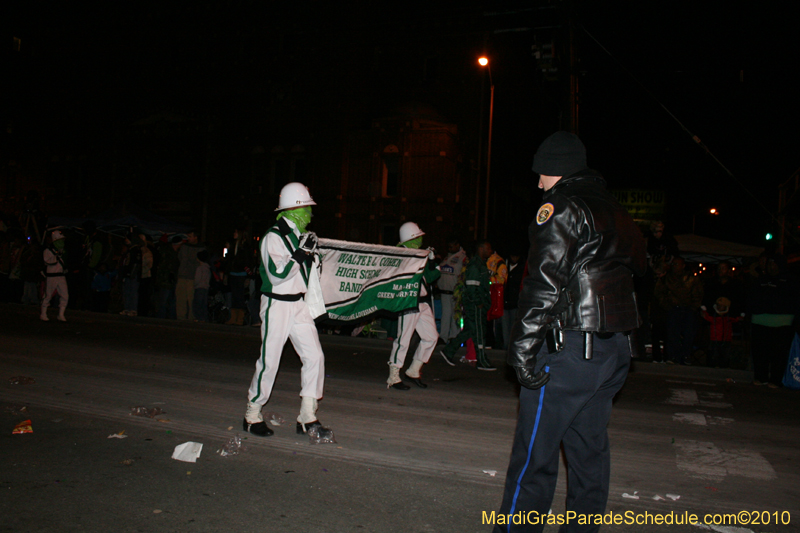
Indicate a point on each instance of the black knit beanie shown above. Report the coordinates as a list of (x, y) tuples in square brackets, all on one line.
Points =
[(561, 154)]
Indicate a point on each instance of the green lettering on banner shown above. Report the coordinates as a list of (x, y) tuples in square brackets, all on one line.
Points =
[(350, 287), (390, 296), (343, 272), (369, 274), (391, 262), (358, 260)]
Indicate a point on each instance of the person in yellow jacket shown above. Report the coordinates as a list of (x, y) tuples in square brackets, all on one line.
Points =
[(498, 271), (498, 274)]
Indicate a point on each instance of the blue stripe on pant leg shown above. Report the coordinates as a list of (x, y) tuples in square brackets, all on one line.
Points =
[(530, 449)]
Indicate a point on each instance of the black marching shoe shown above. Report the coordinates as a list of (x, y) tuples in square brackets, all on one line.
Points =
[(416, 381), (259, 428), (400, 386), (316, 423)]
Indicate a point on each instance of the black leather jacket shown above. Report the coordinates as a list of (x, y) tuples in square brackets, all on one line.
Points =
[(585, 249)]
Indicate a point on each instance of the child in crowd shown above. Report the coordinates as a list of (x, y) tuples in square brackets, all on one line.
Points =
[(202, 281), (721, 333)]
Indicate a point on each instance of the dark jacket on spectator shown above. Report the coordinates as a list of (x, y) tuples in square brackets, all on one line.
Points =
[(679, 290)]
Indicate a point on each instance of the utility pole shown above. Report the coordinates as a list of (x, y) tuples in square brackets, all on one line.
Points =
[(480, 162), (206, 182), (573, 77), (488, 160)]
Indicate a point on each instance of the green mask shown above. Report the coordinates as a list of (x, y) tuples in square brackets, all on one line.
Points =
[(413, 243), (301, 216), (59, 244)]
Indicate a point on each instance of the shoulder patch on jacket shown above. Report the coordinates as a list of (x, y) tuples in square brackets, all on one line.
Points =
[(544, 213)]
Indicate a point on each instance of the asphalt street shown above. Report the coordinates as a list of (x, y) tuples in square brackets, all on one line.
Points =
[(685, 440)]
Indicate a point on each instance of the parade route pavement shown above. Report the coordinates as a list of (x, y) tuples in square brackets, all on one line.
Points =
[(684, 440)]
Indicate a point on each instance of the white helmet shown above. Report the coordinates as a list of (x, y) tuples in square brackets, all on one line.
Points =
[(56, 236), (294, 195), (409, 231)]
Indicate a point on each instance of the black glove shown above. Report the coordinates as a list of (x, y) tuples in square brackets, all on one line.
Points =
[(528, 379), (308, 242), (301, 256)]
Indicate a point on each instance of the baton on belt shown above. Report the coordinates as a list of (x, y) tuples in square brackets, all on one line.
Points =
[(588, 344)]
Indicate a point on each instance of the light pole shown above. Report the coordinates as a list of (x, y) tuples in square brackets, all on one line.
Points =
[(484, 62)]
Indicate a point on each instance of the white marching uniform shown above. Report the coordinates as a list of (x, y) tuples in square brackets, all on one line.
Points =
[(451, 269), (424, 323), (282, 319), (55, 281)]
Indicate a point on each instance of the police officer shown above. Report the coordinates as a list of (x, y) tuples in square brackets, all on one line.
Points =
[(570, 344), (287, 257)]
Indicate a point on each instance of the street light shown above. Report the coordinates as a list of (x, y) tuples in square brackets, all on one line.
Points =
[(484, 62), (712, 211)]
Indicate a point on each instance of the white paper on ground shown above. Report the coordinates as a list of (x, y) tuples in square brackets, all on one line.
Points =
[(188, 451)]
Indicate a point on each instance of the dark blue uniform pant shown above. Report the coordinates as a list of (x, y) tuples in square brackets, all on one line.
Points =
[(573, 408)]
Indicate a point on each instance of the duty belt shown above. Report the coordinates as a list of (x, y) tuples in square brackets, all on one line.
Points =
[(555, 339), (284, 297)]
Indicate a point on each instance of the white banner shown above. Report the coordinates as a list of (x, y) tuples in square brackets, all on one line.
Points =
[(359, 280)]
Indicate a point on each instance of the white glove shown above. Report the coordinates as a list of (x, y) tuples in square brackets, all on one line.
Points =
[(431, 254), (703, 307), (308, 242)]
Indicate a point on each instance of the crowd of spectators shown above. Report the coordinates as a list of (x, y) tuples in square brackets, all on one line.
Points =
[(693, 313), (709, 314), (136, 273)]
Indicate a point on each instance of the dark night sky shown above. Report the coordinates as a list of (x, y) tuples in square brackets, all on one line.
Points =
[(729, 73)]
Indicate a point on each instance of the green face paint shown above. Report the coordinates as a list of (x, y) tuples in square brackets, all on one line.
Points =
[(59, 244), (301, 216), (413, 243)]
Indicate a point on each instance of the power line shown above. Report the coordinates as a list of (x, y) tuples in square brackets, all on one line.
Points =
[(694, 137)]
